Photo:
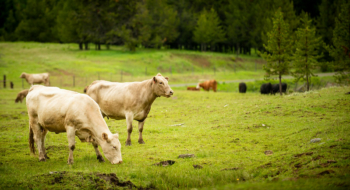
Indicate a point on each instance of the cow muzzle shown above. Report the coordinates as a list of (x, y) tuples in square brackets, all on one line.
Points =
[(117, 162)]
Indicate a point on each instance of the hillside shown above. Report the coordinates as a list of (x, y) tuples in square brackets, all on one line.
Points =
[(63, 61)]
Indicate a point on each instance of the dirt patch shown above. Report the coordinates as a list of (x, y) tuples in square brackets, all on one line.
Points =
[(326, 172), (198, 60), (197, 166), (268, 152), (266, 165), (165, 163), (80, 180), (302, 154), (317, 157), (225, 169)]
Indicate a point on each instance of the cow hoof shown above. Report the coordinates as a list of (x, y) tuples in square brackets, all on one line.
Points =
[(100, 159), (42, 160), (128, 143), (141, 142)]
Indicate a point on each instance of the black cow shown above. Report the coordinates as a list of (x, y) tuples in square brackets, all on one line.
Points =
[(276, 88), (242, 87), (266, 88)]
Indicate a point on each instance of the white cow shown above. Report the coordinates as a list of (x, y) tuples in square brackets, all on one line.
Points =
[(36, 78), (57, 110), (130, 100)]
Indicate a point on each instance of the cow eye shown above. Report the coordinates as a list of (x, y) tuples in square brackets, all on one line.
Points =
[(114, 147), (161, 83)]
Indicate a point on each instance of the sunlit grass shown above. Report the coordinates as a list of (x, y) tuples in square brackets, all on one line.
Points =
[(223, 130)]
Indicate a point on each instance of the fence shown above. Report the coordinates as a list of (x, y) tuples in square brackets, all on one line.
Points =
[(178, 74)]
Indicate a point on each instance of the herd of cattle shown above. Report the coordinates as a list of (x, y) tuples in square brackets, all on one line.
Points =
[(58, 110), (266, 88)]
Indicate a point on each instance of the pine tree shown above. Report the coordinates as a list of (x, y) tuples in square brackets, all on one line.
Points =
[(340, 50), (306, 51), (208, 30), (278, 49)]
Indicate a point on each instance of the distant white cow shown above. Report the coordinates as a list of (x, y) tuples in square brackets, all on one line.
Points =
[(37, 78), (130, 100), (57, 110)]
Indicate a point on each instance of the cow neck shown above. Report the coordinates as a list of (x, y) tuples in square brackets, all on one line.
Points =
[(151, 96)]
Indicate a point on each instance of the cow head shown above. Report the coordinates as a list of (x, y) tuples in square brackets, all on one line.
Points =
[(23, 75), (161, 87), (111, 148)]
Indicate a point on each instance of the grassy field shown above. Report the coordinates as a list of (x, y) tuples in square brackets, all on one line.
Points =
[(229, 133), (63, 61), (240, 141)]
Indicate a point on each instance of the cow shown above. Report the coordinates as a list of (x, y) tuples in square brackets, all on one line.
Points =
[(207, 85), (242, 87), (11, 85), (21, 95), (191, 88), (266, 88), (36, 78), (129, 100), (276, 88), (57, 110)]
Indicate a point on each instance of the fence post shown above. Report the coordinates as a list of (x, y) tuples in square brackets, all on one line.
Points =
[(22, 83), (121, 76), (73, 80), (4, 81)]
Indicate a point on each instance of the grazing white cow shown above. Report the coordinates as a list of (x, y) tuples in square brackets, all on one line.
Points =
[(57, 110), (37, 78), (130, 100)]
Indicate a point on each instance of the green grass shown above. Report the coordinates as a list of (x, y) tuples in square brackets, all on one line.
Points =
[(63, 61), (223, 130)]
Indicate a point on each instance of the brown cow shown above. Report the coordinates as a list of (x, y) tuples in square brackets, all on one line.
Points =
[(129, 100), (209, 84), (36, 78), (57, 110), (21, 95), (193, 88)]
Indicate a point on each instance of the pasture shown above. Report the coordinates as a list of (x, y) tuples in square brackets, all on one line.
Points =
[(229, 133), (244, 141)]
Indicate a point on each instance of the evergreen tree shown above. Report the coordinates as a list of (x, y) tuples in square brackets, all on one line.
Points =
[(306, 53), (340, 50), (278, 49), (208, 30)]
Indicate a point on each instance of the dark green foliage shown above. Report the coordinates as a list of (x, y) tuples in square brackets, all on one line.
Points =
[(278, 48), (306, 55), (208, 30), (340, 50)]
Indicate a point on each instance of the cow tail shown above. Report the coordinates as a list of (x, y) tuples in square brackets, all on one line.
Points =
[(31, 140)]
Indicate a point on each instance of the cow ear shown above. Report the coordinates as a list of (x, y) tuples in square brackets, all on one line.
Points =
[(154, 79), (166, 78), (159, 74), (105, 136)]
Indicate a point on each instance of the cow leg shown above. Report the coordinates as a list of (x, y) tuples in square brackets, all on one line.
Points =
[(129, 118), (44, 132), (98, 154), (71, 143), (38, 135), (140, 132)]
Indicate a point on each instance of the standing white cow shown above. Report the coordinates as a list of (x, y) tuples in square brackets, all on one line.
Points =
[(130, 100), (57, 110), (36, 78)]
